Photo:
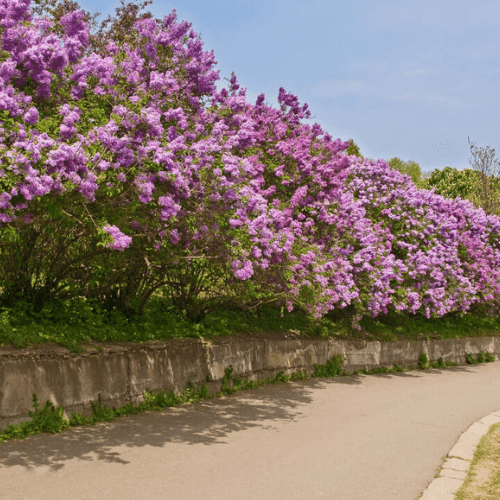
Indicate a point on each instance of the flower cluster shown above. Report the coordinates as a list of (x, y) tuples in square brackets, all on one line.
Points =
[(214, 177)]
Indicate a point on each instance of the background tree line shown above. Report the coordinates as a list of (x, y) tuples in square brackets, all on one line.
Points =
[(480, 184)]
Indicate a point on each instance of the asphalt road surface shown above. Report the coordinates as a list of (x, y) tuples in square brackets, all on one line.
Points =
[(376, 437)]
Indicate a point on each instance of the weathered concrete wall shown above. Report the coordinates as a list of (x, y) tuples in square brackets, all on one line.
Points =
[(122, 372)]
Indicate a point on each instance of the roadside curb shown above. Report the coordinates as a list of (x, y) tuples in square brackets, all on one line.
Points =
[(454, 469)]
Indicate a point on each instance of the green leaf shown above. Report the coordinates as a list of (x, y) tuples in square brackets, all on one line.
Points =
[(10, 234)]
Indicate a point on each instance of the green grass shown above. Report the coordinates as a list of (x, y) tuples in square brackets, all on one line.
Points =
[(51, 420), (72, 322), (76, 321), (483, 478)]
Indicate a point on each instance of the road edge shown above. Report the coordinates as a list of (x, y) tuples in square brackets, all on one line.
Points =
[(457, 463)]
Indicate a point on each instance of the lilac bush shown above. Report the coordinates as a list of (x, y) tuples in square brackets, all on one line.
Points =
[(199, 192), (63, 149), (441, 250)]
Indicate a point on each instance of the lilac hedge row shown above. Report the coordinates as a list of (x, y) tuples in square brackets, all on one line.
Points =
[(154, 153)]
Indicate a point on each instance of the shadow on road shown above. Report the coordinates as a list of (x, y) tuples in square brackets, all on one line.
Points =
[(206, 422)]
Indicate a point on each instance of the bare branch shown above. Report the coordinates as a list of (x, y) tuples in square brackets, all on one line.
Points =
[(487, 187)]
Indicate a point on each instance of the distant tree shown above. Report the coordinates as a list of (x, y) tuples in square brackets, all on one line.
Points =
[(353, 149), (488, 169), (451, 182), (410, 168)]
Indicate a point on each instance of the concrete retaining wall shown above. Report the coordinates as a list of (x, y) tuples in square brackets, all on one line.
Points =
[(121, 372)]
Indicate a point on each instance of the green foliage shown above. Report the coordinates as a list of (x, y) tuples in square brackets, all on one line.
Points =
[(71, 321), (418, 327), (470, 360), (298, 376), (333, 368), (410, 168), (481, 358), (393, 319), (440, 364), (450, 183), (489, 358), (423, 361), (467, 184), (353, 149)]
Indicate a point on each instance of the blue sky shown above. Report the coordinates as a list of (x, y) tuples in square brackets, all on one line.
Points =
[(410, 79)]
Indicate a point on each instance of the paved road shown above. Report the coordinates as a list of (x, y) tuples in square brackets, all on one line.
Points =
[(377, 437)]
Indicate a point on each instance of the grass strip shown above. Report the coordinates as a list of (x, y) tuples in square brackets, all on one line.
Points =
[(73, 322)]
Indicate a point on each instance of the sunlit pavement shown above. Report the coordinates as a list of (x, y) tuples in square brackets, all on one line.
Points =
[(348, 438)]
